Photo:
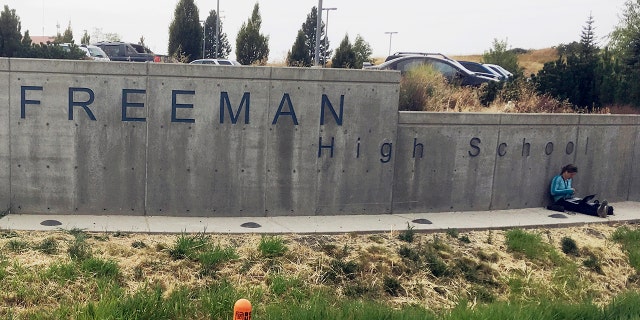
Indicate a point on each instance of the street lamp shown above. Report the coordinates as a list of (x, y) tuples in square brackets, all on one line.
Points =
[(324, 58), (390, 33), (204, 35), (215, 53)]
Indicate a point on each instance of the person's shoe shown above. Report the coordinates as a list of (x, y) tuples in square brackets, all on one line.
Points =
[(610, 210), (602, 209)]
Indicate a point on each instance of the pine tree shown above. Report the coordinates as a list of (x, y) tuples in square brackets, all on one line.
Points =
[(344, 56), (210, 38), (299, 54), (309, 28), (185, 31), (10, 36), (362, 50), (86, 39), (252, 47)]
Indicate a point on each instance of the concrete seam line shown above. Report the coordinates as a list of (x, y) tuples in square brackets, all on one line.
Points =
[(495, 162), (146, 149), (9, 128)]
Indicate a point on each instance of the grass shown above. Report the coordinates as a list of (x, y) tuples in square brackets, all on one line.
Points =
[(630, 241), (198, 276)]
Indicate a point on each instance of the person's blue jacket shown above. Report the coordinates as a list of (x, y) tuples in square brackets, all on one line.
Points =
[(560, 188)]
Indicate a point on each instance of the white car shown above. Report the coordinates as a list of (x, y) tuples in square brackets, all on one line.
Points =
[(219, 62), (94, 52)]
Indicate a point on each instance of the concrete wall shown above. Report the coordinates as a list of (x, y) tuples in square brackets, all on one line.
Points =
[(502, 161), (188, 140), (183, 144)]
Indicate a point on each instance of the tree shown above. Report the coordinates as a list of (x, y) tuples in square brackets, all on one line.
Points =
[(210, 38), (625, 47), (500, 54), (10, 36), (362, 50), (299, 54), (577, 74), (185, 31), (252, 47), (344, 56), (86, 39), (309, 28)]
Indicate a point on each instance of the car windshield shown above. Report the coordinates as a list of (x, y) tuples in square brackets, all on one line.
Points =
[(96, 52)]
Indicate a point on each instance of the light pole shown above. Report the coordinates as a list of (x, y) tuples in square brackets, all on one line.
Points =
[(390, 33), (324, 58), (204, 35), (215, 53), (316, 58)]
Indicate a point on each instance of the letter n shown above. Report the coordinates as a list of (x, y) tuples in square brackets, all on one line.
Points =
[(325, 103)]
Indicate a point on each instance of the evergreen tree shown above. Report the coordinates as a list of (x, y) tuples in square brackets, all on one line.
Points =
[(625, 46), (10, 36), (309, 28), (344, 56), (86, 39), (252, 47), (362, 50), (210, 38), (299, 54), (185, 31)]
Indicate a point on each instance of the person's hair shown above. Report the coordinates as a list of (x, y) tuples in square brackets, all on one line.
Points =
[(571, 168)]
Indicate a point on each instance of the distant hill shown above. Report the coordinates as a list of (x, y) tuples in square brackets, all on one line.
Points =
[(532, 61)]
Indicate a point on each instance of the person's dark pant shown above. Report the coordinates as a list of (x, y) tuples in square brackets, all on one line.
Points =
[(579, 206)]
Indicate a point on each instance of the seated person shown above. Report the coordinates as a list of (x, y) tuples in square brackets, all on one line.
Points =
[(562, 192)]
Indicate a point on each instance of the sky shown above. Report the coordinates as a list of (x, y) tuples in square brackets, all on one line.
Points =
[(457, 27)]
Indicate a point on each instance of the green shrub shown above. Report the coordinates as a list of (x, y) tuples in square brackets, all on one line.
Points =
[(212, 259), (101, 268), (48, 246), (79, 249), (630, 241)]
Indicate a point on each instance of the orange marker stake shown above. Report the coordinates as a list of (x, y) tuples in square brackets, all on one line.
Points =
[(242, 310)]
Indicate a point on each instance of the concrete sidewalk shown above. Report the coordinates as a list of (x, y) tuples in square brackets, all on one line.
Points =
[(425, 222)]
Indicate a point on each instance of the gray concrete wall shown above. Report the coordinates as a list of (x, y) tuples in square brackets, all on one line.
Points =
[(171, 139), (502, 161), (172, 151)]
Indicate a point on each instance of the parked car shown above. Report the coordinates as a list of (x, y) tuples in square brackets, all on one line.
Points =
[(500, 70), (94, 52), (481, 69), (125, 51), (219, 62), (453, 71)]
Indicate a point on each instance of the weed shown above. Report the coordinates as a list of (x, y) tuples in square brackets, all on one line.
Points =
[(188, 246), (61, 272), (212, 259), (8, 234), (272, 246), (340, 270), (408, 253), (392, 286), (570, 247), (101, 268), (79, 249), (490, 238), (436, 265), (493, 257), (17, 245), (453, 233), (77, 233), (285, 287), (138, 244), (593, 263), (48, 246), (407, 235), (464, 239)]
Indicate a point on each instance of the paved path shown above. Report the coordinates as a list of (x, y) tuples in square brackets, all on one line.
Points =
[(473, 220)]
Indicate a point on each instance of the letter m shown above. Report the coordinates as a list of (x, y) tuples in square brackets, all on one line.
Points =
[(226, 104)]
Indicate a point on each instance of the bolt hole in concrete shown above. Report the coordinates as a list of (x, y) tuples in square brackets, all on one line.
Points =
[(251, 225), (558, 216), (51, 223), (422, 221)]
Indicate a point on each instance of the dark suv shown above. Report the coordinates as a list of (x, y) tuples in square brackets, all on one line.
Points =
[(124, 51), (452, 70)]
